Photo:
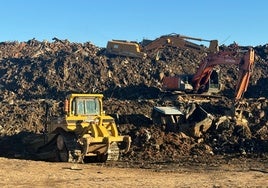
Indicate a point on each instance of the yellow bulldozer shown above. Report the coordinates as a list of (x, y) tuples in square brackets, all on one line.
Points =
[(84, 134)]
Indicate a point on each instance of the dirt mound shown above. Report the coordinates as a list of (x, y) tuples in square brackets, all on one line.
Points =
[(36, 75)]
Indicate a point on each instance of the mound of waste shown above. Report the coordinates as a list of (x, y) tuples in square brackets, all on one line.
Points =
[(35, 75)]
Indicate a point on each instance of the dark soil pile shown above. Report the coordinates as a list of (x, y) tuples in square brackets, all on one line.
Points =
[(36, 75)]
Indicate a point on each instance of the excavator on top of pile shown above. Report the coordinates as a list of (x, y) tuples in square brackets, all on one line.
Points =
[(201, 82), (84, 133), (152, 48)]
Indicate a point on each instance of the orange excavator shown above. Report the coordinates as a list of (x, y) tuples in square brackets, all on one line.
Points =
[(245, 64), (201, 81), (194, 120), (152, 47)]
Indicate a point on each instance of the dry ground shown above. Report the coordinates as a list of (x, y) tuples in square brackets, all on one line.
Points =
[(27, 173)]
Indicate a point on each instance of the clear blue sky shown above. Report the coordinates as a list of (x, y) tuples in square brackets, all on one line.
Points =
[(98, 21)]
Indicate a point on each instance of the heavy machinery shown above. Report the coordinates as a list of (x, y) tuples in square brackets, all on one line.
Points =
[(245, 64), (206, 79), (194, 119), (124, 48), (181, 41), (85, 133), (152, 47)]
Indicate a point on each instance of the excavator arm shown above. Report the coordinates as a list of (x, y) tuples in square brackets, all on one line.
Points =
[(245, 69), (181, 41), (171, 40), (245, 63)]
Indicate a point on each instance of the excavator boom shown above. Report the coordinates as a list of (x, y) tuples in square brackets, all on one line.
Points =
[(245, 70), (181, 41)]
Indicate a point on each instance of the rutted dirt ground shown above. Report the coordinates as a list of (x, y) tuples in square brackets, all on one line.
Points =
[(36, 75), (26, 173)]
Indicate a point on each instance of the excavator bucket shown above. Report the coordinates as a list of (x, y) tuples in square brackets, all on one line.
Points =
[(193, 121)]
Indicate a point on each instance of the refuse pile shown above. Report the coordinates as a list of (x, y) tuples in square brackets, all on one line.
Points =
[(36, 75)]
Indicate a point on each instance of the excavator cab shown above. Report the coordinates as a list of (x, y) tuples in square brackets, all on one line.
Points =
[(183, 83)]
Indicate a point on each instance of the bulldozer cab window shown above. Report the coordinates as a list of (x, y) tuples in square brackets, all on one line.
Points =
[(87, 107)]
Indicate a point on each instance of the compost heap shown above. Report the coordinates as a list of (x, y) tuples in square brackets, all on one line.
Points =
[(37, 74)]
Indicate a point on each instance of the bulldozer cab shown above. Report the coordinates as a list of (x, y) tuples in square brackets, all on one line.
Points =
[(86, 106), (83, 105)]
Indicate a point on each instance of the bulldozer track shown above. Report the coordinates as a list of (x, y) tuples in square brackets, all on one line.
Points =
[(113, 152), (70, 151)]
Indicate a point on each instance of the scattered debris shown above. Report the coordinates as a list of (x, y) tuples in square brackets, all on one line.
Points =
[(36, 75)]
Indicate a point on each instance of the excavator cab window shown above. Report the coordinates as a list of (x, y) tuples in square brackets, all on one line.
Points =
[(214, 86), (86, 106)]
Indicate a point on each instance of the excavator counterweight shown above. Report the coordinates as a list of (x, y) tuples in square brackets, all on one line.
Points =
[(124, 48)]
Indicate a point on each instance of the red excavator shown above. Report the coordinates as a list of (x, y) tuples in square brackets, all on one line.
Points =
[(194, 120), (202, 80)]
